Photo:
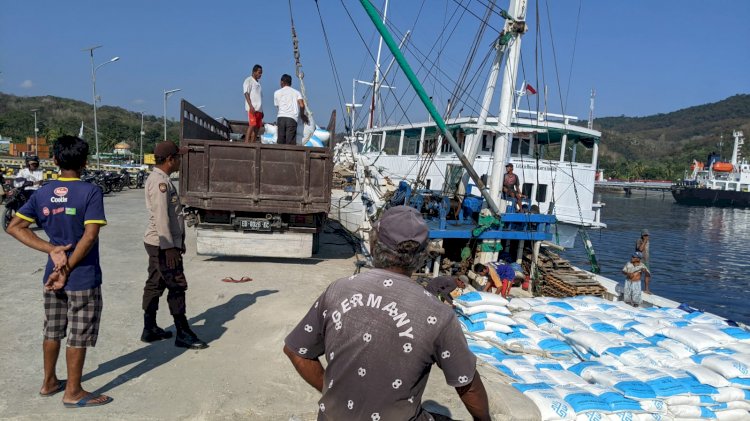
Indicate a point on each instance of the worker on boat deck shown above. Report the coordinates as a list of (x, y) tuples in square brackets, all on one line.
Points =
[(443, 286), (501, 277), (511, 186), (381, 332), (634, 270)]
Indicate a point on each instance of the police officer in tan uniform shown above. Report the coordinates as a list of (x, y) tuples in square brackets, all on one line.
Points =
[(165, 245)]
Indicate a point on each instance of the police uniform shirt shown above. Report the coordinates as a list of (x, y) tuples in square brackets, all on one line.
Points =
[(380, 333), (63, 207), (166, 225)]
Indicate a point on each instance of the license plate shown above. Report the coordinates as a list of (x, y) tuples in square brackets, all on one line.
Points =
[(255, 224)]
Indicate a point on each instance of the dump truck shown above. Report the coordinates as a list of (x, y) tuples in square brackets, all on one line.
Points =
[(251, 199)]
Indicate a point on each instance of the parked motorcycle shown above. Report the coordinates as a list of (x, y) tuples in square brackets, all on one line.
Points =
[(15, 198), (124, 178), (138, 180), (96, 178)]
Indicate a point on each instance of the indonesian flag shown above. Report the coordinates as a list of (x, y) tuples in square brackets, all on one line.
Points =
[(530, 89)]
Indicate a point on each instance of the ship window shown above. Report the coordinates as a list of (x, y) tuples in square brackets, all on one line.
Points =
[(460, 137), (488, 142), (526, 189), (391, 143), (541, 193), (732, 186), (374, 143), (520, 146), (745, 187), (411, 142), (430, 140), (721, 186)]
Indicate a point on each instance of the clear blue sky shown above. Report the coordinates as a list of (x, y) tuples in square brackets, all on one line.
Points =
[(642, 56)]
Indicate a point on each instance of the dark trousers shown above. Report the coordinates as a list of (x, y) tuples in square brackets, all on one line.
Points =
[(160, 277), (286, 133)]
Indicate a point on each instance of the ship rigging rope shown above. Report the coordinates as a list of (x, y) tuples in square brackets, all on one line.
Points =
[(562, 105), (336, 79), (300, 73), (361, 37), (468, 62)]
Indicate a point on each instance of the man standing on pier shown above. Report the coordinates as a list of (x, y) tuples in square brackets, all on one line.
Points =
[(381, 332), (642, 246), (165, 244), (71, 212)]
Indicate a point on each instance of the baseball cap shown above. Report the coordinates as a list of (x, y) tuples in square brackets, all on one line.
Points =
[(508, 165), (167, 148), (644, 232), (399, 224), (638, 254), (464, 279)]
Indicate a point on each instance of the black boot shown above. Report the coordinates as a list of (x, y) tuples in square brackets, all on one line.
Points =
[(186, 338), (152, 332)]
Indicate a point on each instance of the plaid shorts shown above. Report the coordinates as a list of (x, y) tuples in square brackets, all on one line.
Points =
[(82, 310)]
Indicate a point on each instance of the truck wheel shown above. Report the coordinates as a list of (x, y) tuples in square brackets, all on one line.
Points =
[(316, 243)]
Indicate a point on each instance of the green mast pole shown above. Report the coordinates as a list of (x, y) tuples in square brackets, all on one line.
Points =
[(375, 17)]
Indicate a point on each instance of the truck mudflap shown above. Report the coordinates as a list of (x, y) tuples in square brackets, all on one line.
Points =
[(222, 242)]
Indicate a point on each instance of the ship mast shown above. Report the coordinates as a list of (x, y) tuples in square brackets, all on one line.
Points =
[(515, 25)]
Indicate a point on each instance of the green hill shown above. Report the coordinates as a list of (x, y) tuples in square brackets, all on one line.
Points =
[(663, 146), (660, 146), (58, 116)]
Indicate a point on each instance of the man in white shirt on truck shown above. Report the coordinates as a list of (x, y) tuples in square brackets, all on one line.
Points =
[(290, 106), (253, 103)]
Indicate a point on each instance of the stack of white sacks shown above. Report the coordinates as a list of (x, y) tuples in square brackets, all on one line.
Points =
[(585, 358), (316, 137)]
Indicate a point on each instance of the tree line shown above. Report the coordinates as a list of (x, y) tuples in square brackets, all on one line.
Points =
[(62, 116)]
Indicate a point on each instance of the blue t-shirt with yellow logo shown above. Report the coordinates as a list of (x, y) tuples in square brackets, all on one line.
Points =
[(63, 207)]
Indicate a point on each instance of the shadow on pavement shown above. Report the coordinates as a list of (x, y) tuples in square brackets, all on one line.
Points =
[(158, 353)]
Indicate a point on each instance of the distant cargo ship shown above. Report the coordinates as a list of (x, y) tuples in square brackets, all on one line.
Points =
[(724, 184)]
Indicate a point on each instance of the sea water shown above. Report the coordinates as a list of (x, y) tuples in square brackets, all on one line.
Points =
[(698, 255)]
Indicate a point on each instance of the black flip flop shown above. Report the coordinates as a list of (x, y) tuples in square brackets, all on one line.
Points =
[(60, 387), (86, 402)]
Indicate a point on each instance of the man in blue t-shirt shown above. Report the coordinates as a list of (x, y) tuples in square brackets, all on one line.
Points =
[(71, 212), (501, 277)]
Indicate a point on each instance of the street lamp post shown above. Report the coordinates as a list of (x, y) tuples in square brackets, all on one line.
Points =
[(36, 131), (166, 95), (142, 133), (93, 84)]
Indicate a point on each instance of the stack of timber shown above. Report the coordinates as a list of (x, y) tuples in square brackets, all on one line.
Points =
[(560, 279)]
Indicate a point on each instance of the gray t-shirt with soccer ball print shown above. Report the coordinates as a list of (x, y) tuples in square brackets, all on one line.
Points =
[(380, 333)]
